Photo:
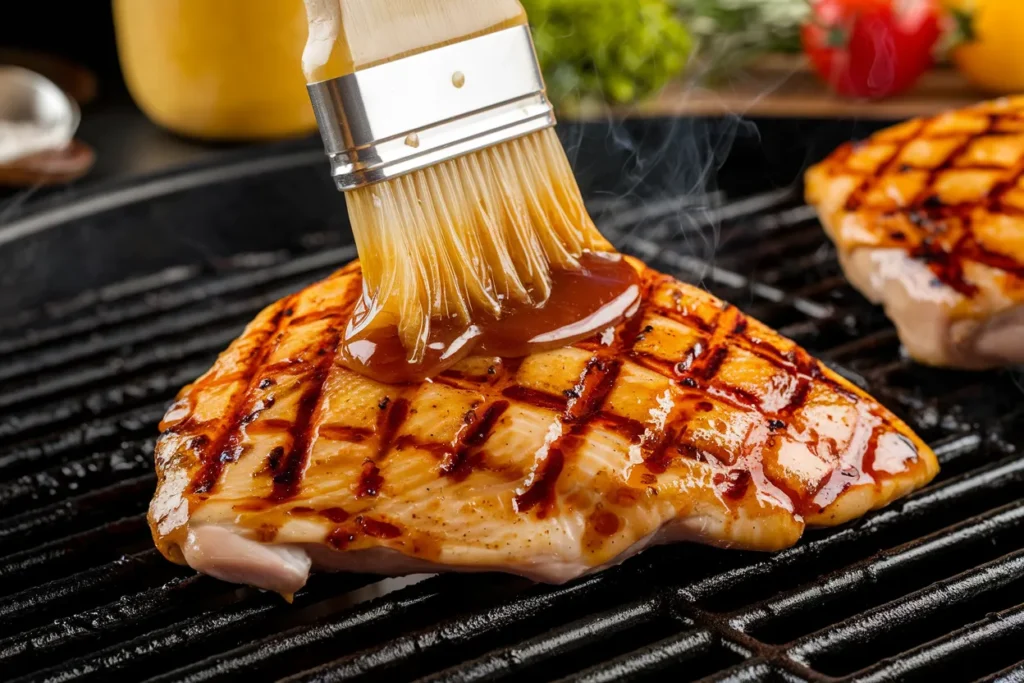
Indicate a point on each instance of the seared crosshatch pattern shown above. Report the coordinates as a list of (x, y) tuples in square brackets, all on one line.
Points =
[(689, 418), (948, 190), (936, 577)]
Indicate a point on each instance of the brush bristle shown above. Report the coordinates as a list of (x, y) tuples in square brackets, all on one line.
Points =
[(346, 35), (469, 235)]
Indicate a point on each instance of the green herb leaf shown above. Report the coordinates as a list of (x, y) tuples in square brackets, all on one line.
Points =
[(616, 50), (837, 37), (732, 33), (964, 22)]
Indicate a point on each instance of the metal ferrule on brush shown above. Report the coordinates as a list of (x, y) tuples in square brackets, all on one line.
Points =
[(414, 112)]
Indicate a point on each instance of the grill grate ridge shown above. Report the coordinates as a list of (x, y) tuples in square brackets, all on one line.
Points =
[(302, 269), (85, 596), (116, 368), (88, 511), (578, 635), (867, 628), (672, 652), (81, 440), (80, 475), (938, 654), (79, 551), (161, 385), (851, 582)]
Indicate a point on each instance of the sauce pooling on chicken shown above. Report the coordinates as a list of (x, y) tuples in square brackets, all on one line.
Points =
[(603, 292)]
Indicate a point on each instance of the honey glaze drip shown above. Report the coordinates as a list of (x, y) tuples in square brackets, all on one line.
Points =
[(603, 292)]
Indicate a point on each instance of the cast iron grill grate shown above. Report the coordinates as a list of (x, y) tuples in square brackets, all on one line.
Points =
[(929, 587)]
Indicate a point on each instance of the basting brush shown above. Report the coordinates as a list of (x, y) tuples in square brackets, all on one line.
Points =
[(438, 128)]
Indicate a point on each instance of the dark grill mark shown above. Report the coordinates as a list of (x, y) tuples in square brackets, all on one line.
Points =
[(456, 463), (288, 482), (625, 426), (370, 481), (714, 363), (336, 515), (766, 351), (228, 440), (534, 398), (269, 426), (657, 454), (683, 366), (734, 484), (598, 379), (377, 528), (389, 421), (921, 219), (540, 489), (629, 335), (288, 476), (289, 367), (745, 397), (274, 460), (592, 390), (799, 397), (344, 433), (340, 538), (948, 266)]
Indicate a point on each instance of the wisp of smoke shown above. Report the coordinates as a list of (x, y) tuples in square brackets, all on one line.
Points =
[(669, 176)]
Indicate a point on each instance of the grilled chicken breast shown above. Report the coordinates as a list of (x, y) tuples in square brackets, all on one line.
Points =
[(687, 422), (928, 219)]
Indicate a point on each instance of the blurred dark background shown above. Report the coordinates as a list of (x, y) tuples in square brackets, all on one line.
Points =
[(127, 144), (83, 32), (644, 157)]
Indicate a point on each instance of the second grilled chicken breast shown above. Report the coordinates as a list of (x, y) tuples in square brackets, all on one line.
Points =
[(928, 218), (689, 421)]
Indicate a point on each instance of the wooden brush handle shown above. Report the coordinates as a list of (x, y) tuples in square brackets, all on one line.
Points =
[(345, 37)]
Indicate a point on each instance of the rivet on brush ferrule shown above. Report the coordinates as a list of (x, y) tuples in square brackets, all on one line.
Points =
[(415, 112)]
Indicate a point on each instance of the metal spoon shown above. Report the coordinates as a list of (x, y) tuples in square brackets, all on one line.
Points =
[(27, 97)]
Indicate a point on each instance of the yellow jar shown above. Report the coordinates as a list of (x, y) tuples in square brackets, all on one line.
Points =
[(217, 69)]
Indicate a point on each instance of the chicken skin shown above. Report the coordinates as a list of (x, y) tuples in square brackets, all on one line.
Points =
[(687, 422)]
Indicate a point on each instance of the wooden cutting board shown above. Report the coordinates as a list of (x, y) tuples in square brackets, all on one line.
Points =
[(785, 86)]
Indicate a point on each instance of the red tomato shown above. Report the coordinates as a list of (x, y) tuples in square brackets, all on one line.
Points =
[(872, 48)]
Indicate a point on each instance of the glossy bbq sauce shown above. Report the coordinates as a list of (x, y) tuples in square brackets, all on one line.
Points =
[(601, 294)]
